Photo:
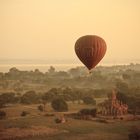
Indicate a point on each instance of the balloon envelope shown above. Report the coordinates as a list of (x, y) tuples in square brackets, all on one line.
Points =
[(90, 49)]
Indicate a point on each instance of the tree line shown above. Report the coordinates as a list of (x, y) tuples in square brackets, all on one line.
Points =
[(67, 94), (101, 77)]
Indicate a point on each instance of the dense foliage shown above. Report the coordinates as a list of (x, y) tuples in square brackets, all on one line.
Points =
[(87, 111), (59, 105), (31, 87), (30, 97)]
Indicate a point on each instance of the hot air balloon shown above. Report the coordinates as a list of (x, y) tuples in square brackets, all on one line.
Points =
[(90, 49)]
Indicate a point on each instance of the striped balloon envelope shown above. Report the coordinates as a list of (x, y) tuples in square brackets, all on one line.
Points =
[(90, 49)]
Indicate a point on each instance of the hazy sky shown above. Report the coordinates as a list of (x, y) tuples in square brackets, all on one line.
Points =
[(42, 29)]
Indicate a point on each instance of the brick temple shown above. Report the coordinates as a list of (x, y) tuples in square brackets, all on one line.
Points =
[(113, 107)]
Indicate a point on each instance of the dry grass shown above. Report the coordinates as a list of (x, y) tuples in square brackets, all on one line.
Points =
[(12, 133), (15, 111), (36, 126)]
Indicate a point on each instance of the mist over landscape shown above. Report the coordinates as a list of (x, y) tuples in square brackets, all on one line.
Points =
[(60, 64), (69, 70)]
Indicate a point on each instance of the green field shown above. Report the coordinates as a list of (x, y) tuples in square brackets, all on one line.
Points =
[(73, 129)]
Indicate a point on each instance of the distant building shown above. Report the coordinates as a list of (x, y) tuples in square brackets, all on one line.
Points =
[(113, 106)]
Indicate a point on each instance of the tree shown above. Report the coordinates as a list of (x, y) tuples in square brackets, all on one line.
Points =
[(41, 108), (134, 104), (132, 101), (51, 70), (67, 94), (122, 86), (75, 72), (126, 76), (59, 105), (61, 74), (7, 98), (30, 97), (1, 75), (50, 95), (2, 114), (13, 73)]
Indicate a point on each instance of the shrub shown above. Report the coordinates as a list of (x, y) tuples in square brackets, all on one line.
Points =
[(91, 112), (41, 108), (24, 113), (57, 120), (2, 114), (85, 112), (59, 105), (89, 100)]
